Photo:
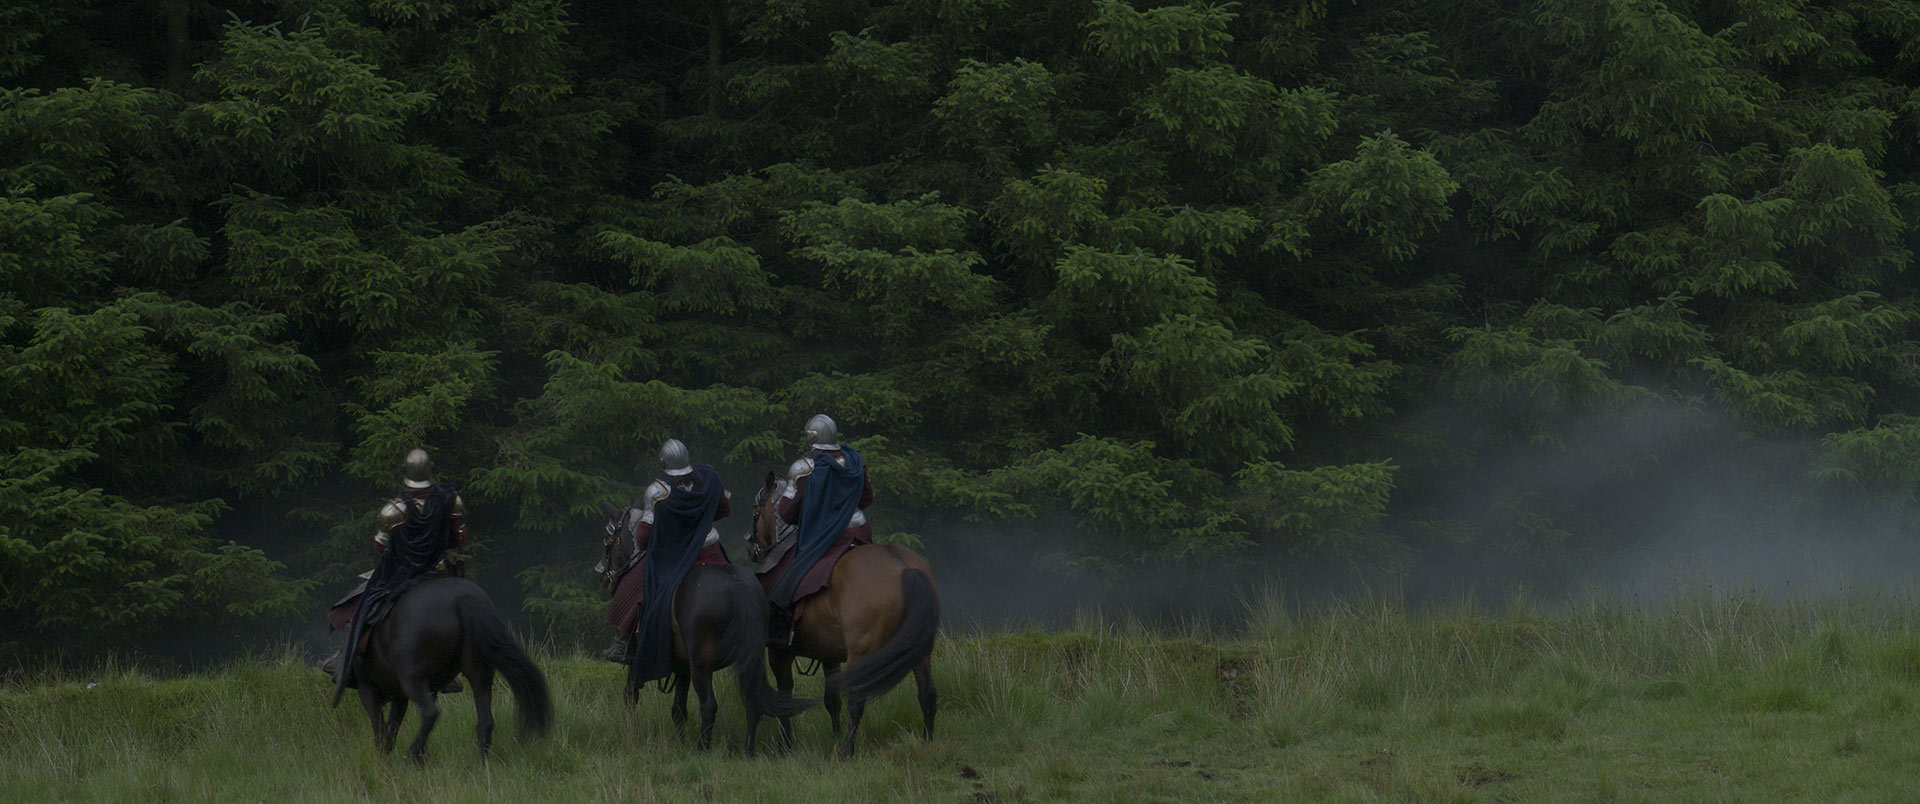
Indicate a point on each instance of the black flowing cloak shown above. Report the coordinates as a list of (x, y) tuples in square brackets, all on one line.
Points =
[(833, 494), (680, 526), (414, 546)]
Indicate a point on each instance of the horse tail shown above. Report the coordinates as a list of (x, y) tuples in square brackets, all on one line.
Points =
[(498, 648), (745, 646), (878, 671)]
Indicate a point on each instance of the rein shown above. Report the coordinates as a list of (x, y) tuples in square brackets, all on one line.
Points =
[(756, 549)]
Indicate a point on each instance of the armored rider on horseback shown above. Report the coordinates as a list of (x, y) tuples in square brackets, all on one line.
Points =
[(827, 493), (639, 524), (417, 528), (676, 530)]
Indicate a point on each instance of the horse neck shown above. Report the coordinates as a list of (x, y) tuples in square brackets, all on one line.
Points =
[(767, 525)]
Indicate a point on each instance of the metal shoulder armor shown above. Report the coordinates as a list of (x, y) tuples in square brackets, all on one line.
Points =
[(799, 469), (655, 493), (391, 515)]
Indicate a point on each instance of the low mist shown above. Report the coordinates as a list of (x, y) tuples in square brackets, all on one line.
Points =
[(1635, 508)]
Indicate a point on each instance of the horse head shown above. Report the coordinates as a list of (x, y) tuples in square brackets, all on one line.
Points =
[(766, 518), (619, 552)]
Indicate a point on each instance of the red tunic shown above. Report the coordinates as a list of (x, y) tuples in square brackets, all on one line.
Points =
[(624, 612)]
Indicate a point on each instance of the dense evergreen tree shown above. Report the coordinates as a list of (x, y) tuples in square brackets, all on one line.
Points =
[(1188, 281)]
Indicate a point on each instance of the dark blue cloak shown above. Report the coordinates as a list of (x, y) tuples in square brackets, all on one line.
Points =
[(833, 494), (680, 525)]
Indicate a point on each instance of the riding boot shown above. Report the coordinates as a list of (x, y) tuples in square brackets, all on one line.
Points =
[(620, 651), (331, 664)]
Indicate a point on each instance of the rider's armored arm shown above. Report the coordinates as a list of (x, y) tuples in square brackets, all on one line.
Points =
[(643, 529), (391, 515), (726, 506), (789, 505)]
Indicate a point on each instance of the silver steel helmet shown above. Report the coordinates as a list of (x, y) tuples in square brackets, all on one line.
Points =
[(417, 470), (822, 433), (674, 456)]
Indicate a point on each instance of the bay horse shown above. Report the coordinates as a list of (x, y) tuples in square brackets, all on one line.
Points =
[(878, 616), (437, 629), (719, 620)]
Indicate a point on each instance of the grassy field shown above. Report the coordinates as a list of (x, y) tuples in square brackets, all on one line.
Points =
[(1714, 699)]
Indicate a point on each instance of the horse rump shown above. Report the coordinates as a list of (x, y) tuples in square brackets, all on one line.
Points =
[(497, 647), (878, 671)]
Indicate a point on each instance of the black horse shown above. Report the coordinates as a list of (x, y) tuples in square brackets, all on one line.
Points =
[(439, 628), (719, 620)]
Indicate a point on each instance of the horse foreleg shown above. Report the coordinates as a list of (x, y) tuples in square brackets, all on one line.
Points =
[(422, 696), (680, 699), (709, 708), (830, 697), (929, 697), (781, 662), (856, 706), (480, 677)]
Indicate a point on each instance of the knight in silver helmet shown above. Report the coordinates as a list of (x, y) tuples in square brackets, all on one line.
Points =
[(636, 523), (417, 484)]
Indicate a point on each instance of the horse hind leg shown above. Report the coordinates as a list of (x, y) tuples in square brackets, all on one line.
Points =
[(830, 697), (418, 691), (680, 699), (929, 697), (370, 701), (480, 678), (748, 705), (396, 712), (709, 708), (856, 706), (753, 729), (781, 662)]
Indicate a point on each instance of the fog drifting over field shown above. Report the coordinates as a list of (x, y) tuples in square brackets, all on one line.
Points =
[(1661, 501)]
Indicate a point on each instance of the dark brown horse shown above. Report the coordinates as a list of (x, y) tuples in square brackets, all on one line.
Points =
[(878, 616), (439, 628), (719, 619)]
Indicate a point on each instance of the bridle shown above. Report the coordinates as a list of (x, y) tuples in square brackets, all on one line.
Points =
[(757, 550), (605, 568)]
